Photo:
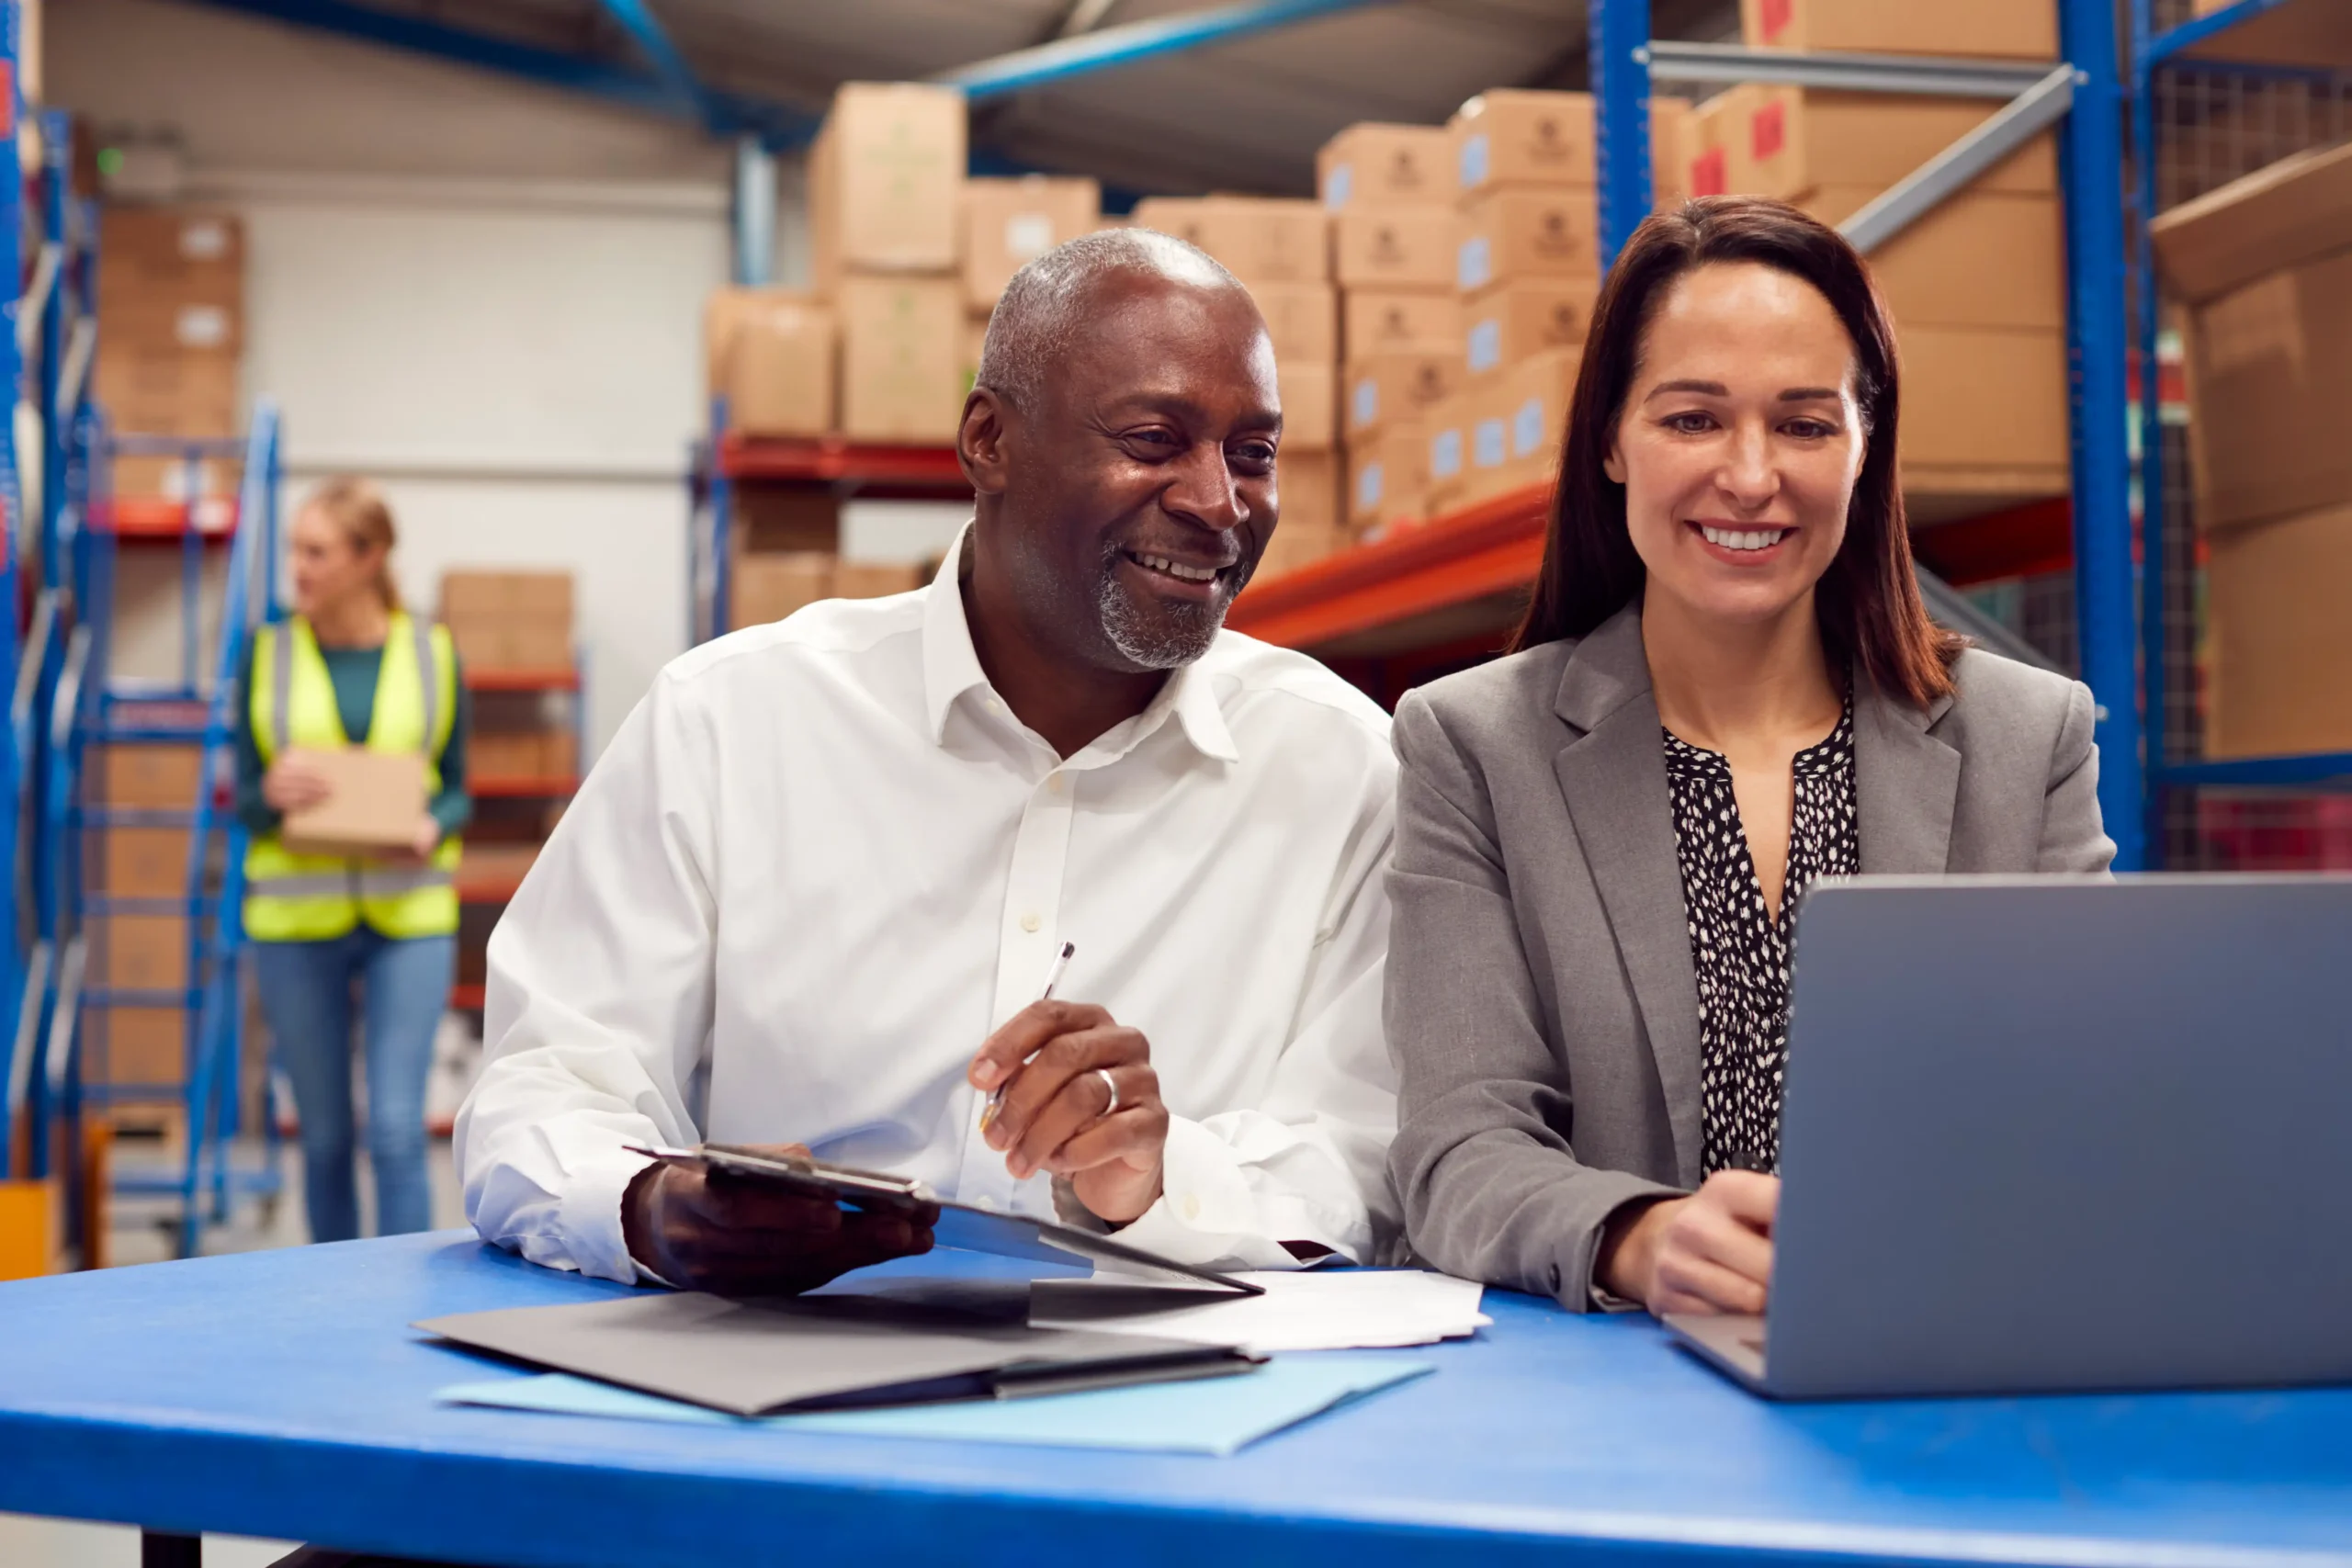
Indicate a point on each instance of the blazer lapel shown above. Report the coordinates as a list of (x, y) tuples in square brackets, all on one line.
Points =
[(1613, 779), (1906, 784)]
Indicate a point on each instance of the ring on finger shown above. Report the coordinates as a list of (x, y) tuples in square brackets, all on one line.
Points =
[(1113, 1085)]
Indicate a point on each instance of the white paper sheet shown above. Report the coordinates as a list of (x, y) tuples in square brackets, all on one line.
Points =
[(1347, 1308)]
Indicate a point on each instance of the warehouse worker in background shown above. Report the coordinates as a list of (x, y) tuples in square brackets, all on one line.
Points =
[(812, 891), (351, 667)]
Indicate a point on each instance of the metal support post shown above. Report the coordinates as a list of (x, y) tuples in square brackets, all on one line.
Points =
[(1620, 82), (754, 214), (2092, 149), (2153, 676)]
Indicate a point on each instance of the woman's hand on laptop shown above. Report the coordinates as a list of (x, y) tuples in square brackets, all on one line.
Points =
[(1710, 1252), (702, 1230), (1084, 1102)]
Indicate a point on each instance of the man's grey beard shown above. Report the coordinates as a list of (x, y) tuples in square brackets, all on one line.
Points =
[(1190, 631)]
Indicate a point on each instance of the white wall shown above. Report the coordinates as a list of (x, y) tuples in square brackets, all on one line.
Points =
[(486, 294)]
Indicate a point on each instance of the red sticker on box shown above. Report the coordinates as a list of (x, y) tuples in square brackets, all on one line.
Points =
[(1708, 175), (1768, 133), (1777, 15)]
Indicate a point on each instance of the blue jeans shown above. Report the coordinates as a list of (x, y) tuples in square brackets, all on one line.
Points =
[(306, 996)]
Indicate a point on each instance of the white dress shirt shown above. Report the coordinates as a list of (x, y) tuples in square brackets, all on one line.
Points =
[(822, 861)]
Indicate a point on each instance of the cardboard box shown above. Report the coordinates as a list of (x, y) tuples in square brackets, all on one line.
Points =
[(874, 580), (143, 863), (1308, 487), (770, 518), (1257, 239), (168, 393), (511, 645), (1367, 479), (146, 777), (186, 243), (1404, 457), (1532, 397), (140, 1046), (1010, 224), (976, 340), (1310, 406), (777, 364), (1981, 259), (1373, 320), (145, 323), (1371, 164), (1984, 409), (1703, 144), (2024, 30), (535, 753), (1515, 234), (1786, 142), (1520, 320), (1299, 544), (140, 953), (2277, 662), (902, 352), (469, 594), (2296, 211), (1302, 319), (1446, 424), (884, 176), (1516, 137), (1398, 384), (1394, 247), (770, 587), (172, 479), (374, 803), (1670, 163)]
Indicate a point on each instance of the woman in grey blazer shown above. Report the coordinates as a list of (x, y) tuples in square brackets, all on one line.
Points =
[(1725, 686)]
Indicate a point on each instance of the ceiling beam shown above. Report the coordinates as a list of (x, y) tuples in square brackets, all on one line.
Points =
[(636, 18), (780, 124), (1114, 47)]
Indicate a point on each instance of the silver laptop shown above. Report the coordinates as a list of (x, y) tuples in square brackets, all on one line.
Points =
[(2049, 1135)]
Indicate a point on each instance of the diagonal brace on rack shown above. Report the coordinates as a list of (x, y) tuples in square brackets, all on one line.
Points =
[(1950, 171)]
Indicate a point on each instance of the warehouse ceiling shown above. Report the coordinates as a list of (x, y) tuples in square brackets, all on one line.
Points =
[(1245, 115)]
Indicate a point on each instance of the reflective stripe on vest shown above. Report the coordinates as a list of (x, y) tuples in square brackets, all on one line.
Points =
[(296, 897)]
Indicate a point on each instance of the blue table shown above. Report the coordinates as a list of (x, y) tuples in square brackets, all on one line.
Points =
[(281, 1394)]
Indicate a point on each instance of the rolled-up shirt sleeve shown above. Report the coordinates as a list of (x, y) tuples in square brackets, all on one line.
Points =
[(1308, 1164), (598, 1010)]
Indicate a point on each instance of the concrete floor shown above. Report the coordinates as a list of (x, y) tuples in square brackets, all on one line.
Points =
[(140, 1233)]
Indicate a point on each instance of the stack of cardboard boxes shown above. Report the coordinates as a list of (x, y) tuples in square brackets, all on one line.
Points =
[(1977, 288), (170, 292), (141, 1044), (1280, 251), (1006, 224), (1389, 189), (2265, 265), (509, 622)]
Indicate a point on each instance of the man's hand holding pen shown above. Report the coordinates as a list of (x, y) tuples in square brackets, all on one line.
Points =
[(1086, 1105)]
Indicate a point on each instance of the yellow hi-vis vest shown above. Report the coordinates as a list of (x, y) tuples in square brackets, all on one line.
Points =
[(292, 898)]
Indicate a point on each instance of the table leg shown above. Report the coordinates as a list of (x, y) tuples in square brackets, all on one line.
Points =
[(157, 1549)]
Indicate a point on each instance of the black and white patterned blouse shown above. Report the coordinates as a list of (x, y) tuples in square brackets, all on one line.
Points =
[(1740, 952)]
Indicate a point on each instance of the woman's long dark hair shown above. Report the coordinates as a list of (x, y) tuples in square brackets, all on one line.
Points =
[(1868, 601)]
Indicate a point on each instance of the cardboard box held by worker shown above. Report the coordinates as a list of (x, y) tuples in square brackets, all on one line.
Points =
[(374, 800)]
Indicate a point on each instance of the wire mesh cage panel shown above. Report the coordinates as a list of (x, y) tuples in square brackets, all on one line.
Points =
[(2213, 123)]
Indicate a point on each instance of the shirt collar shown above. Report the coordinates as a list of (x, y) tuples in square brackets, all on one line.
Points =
[(950, 667)]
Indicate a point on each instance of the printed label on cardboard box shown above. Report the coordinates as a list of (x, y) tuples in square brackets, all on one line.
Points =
[(1768, 130), (1710, 174), (1475, 161), (1339, 185), (1474, 265), (1028, 235), (1527, 428), (1488, 447), (1445, 455), (1368, 486), (1364, 402), (1485, 346)]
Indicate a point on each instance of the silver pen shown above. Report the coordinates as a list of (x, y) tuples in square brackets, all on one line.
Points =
[(1053, 979)]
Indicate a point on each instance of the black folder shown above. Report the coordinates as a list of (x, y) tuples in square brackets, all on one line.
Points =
[(769, 1356)]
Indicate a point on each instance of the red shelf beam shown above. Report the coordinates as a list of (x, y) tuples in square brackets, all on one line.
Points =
[(520, 788), (1492, 547), (830, 460), (522, 680), (466, 999)]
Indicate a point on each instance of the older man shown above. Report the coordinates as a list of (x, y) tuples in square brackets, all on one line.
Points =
[(812, 891)]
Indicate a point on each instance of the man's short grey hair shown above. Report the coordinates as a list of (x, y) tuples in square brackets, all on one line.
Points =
[(1041, 314)]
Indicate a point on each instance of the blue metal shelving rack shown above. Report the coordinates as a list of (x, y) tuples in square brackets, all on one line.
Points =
[(2160, 57), (2082, 96)]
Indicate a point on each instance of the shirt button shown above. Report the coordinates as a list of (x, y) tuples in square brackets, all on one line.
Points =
[(987, 1203), (1191, 1207), (1056, 784), (995, 706), (1030, 923)]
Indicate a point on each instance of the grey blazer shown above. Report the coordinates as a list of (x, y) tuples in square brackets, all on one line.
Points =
[(1541, 1004)]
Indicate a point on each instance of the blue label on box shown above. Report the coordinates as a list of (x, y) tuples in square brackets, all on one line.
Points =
[(1527, 428), (1339, 185), (1445, 454), (1485, 346), (1368, 487), (1471, 265), (1488, 446), (1474, 161), (1364, 404)]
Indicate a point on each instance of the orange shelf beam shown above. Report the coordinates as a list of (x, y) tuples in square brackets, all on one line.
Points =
[(1491, 548), (135, 517), (831, 459), (466, 999)]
